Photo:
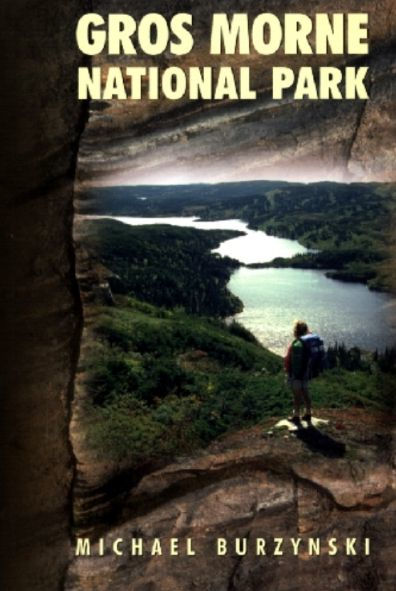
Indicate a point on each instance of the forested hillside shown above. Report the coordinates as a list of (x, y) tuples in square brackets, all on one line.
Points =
[(163, 377), (166, 265), (349, 223)]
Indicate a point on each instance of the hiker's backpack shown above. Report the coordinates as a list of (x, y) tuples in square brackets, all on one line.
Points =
[(296, 361), (315, 350)]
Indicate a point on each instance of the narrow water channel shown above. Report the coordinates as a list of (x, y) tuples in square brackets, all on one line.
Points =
[(274, 298)]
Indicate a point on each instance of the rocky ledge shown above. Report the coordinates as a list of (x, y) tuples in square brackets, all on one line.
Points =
[(150, 141), (256, 485)]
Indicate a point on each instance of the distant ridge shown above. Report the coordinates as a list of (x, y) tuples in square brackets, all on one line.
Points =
[(127, 199)]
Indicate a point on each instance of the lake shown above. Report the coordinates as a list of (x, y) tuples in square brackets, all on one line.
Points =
[(340, 312), (253, 247), (274, 298)]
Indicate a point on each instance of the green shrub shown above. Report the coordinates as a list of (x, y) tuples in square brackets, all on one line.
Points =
[(111, 376), (152, 397), (239, 330)]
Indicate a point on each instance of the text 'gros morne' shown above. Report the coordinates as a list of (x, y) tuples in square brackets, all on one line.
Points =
[(266, 34)]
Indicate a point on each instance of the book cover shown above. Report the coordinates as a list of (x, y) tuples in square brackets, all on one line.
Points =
[(198, 343)]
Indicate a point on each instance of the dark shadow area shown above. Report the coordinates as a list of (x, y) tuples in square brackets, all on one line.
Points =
[(319, 442), (41, 123)]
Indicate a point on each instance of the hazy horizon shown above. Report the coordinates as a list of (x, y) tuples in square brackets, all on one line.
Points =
[(105, 185)]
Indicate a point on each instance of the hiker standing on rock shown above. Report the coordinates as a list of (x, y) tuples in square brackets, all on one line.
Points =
[(304, 360)]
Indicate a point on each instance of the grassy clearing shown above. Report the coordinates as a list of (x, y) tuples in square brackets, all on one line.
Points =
[(163, 382)]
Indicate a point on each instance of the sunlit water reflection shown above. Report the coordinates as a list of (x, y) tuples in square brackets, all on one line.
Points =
[(253, 247), (339, 312), (274, 298)]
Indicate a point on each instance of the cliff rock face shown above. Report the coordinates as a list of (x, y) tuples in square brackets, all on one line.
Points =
[(253, 485), (41, 327), (41, 124), (337, 481), (164, 141), (259, 483)]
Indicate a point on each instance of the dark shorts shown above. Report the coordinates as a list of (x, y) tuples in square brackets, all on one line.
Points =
[(298, 385)]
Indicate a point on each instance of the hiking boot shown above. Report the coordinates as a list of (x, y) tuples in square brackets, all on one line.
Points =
[(307, 418), (294, 419)]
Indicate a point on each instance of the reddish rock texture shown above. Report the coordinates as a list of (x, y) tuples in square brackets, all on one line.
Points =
[(254, 485), (164, 141), (263, 492), (249, 484), (41, 125)]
